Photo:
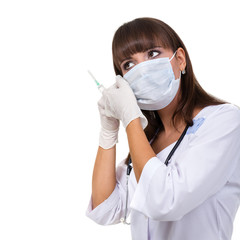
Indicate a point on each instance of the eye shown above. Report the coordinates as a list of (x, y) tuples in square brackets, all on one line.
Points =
[(127, 65), (153, 53)]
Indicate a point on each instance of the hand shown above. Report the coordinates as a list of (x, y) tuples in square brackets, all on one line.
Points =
[(121, 103), (109, 127)]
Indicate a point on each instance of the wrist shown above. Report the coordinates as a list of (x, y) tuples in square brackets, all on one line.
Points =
[(135, 123), (107, 138), (137, 114)]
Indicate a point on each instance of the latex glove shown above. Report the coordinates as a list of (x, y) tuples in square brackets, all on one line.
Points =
[(109, 127), (121, 103)]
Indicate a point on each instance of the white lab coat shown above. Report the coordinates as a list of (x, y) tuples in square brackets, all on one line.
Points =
[(196, 196)]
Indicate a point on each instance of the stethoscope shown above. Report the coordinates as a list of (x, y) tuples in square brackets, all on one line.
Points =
[(129, 169)]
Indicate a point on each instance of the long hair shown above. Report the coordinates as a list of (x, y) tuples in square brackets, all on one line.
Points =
[(142, 34)]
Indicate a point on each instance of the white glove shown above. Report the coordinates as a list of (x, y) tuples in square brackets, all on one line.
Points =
[(121, 103), (109, 127)]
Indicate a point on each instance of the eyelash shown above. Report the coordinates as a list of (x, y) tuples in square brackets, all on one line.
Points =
[(125, 65), (154, 51)]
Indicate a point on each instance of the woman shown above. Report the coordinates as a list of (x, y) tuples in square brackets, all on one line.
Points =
[(185, 182)]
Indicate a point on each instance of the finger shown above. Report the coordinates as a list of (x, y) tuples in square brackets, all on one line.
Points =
[(101, 102), (120, 81), (109, 90)]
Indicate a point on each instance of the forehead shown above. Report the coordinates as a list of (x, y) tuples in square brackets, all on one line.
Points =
[(130, 41), (132, 46)]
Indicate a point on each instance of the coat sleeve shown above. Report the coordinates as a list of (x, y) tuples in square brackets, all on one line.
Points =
[(199, 171), (112, 209)]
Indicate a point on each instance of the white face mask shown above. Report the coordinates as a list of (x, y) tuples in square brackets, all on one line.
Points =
[(153, 83)]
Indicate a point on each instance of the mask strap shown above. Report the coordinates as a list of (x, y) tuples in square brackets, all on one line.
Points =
[(172, 56)]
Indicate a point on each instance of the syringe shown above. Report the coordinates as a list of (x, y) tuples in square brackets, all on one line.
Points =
[(100, 86)]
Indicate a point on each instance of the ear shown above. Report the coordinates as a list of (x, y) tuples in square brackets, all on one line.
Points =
[(181, 59)]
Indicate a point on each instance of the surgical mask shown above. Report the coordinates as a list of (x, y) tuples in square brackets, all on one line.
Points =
[(153, 83)]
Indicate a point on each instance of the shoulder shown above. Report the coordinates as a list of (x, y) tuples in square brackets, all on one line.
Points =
[(219, 117), (224, 111)]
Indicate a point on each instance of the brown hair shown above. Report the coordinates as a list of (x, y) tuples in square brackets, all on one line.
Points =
[(142, 34)]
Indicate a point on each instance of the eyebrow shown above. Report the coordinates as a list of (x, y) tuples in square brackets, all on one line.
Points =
[(129, 58)]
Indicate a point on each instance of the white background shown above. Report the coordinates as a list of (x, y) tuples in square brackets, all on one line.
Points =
[(49, 121)]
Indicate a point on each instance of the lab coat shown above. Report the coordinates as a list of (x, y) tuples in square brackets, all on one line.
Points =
[(196, 196)]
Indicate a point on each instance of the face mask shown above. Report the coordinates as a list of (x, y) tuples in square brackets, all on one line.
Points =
[(153, 83)]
